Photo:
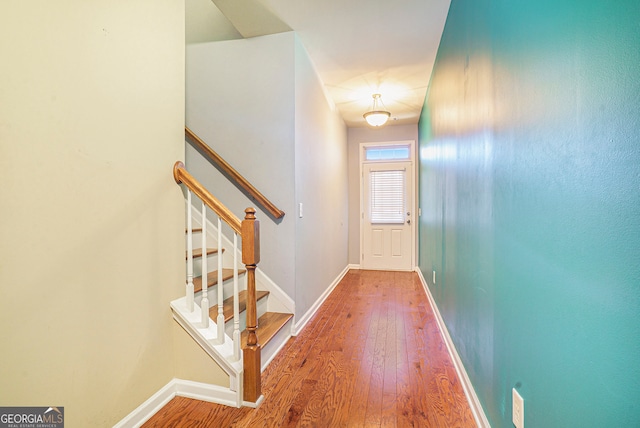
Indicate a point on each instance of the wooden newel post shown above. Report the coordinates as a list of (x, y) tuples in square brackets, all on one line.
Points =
[(251, 353)]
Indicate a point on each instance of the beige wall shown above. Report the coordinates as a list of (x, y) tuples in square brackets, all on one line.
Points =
[(91, 221), (193, 363)]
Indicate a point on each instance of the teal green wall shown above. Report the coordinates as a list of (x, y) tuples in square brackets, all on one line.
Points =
[(530, 197)]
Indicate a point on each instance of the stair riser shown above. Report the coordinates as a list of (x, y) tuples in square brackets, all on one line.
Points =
[(212, 264), (212, 292), (262, 305), (261, 308), (270, 350)]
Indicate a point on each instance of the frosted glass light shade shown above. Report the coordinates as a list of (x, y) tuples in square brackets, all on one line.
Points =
[(377, 118)]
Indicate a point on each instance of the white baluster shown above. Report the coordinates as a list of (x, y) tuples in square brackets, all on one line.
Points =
[(204, 304), (236, 301), (220, 320), (189, 290)]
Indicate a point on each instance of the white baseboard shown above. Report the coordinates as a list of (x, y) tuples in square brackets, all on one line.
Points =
[(149, 408), (472, 397), (300, 324), (206, 392), (177, 388), (254, 405)]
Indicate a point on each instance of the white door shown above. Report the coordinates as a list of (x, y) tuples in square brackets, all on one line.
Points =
[(387, 217)]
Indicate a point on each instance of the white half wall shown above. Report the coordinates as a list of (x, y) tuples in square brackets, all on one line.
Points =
[(260, 104), (241, 102)]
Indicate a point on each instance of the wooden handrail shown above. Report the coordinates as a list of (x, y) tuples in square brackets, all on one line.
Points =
[(181, 175), (234, 175)]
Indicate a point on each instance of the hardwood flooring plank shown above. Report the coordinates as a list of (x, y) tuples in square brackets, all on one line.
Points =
[(309, 367), (171, 415), (389, 411), (313, 411), (292, 418), (347, 388), (404, 394), (371, 356), (359, 402), (376, 383)]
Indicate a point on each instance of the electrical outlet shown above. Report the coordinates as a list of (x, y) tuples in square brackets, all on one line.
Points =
[(518, 409), (433, 277)]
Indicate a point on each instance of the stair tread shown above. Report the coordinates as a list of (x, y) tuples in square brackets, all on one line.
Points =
[(194, 230), (228, 304), (197, 252), (268, 325), (212, 278)]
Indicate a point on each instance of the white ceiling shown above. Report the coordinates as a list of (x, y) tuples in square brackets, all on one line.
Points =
[(359, 47)]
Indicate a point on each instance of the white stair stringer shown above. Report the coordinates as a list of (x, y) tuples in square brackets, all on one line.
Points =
[(205, 337), (276, 301)]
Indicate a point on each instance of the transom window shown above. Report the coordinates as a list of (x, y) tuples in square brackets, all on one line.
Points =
[(387, 153)]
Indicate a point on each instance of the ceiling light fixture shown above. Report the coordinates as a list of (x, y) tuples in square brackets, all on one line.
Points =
[(377, 116)]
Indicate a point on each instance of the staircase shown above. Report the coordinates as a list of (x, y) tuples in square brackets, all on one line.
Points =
[(218, 312), (270, 323)]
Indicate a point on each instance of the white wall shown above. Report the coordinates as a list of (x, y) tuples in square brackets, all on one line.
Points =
[(240, 101), (91, 121), (321, 186), (356, 137), (259, 103)]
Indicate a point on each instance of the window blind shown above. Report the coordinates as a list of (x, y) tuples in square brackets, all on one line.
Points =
[(387, 196)]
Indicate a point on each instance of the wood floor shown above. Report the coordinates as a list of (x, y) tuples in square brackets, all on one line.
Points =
[(372, 356)]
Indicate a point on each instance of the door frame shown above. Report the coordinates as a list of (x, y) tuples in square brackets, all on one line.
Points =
[(413, 197)]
